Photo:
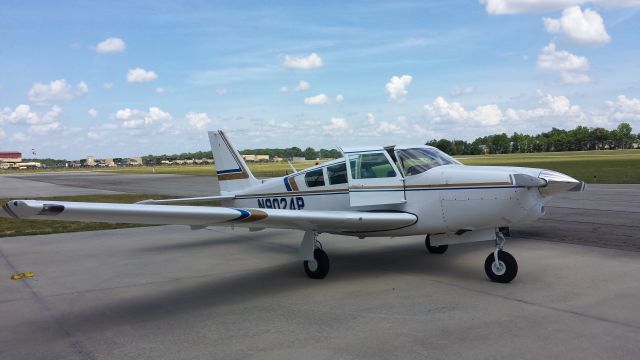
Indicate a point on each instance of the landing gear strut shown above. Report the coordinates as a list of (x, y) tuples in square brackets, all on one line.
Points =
[(434, 249), (500, 266), (316, 261)]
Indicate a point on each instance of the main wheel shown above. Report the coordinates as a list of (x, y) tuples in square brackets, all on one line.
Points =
[(319, 268), (504, 270), (434, 249)]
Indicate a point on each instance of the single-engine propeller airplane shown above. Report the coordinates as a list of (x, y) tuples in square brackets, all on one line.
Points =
[(371, 191)]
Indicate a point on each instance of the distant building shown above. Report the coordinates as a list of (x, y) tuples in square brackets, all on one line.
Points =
[(10, 159), (255, 158), (298, 159)]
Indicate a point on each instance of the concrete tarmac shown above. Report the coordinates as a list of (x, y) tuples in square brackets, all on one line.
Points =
[(170, 293)]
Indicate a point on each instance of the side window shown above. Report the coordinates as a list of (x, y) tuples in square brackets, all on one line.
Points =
[(314, 178), (337, 174), (369, 166)]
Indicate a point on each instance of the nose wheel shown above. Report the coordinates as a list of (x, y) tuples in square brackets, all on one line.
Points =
[(500, 266)]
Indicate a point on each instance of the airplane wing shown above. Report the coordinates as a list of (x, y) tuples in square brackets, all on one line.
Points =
[(188, 200), (202, 216)]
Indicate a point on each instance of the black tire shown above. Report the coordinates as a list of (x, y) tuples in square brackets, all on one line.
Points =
[(434, 249), (322, 265), (505, 275)]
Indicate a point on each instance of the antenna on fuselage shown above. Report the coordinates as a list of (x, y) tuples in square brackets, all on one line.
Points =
[(292, 167)]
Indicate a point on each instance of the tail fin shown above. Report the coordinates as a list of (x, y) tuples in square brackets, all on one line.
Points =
[(233, 173)]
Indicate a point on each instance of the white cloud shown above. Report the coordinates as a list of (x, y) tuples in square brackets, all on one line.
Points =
[(371, 119), (43, 129), (140, 75), (284, 89), (92, 112), (320, 99), (562, 60), (160, 90), (397, 87), (2, 134), (624, 108), (386, 128), (461, 91), (57, 90), (441, 110), (504, 7), (339, 98), (568, 77), (335, 125), (92, 135), (585, 28), (20, 137), (302, 86), (38, 124), (221, 91), (312, 61), (132, 118), (107, 85), (111, 45), (21, 113), (198, 120), (552, 107)]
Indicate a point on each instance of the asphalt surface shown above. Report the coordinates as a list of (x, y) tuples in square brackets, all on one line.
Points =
[(170, 293)]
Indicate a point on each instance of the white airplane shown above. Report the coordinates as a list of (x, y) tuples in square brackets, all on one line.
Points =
[(372, 191)]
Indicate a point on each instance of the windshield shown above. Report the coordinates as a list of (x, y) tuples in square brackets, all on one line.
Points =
[(418, 160)]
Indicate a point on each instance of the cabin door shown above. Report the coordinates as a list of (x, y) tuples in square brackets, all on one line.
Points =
[(373, 178)]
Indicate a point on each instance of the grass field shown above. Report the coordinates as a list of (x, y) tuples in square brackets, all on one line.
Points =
[(605, 167), (18, 227)]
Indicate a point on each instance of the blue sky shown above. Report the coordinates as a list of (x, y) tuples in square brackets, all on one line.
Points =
[(118, 78)]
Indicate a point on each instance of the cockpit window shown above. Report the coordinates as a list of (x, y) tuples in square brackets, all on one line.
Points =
[(418, 160), (370, 166)]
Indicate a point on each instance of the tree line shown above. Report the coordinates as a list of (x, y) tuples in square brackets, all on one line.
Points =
[(579, 139)]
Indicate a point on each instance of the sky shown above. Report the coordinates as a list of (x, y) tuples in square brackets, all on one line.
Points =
[(125, 78)]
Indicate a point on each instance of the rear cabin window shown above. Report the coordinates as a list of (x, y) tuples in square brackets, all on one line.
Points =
[(337, 174), (314, 178), (369, 166)]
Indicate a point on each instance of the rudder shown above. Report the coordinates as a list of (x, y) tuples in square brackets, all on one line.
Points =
[(233, 173)]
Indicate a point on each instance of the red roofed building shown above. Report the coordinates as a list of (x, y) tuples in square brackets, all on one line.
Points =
[(9, 159)]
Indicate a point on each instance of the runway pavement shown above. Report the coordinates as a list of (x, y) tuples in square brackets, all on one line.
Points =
[(170, 293)]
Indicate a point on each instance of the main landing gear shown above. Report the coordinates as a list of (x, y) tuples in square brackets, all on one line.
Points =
[(500, 266), (434, 249), (315, 260)]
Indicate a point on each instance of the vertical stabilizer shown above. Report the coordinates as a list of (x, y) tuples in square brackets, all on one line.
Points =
[(233, 173)]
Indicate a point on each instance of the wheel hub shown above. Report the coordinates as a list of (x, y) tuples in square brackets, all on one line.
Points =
[(498, 268), (313, 265)]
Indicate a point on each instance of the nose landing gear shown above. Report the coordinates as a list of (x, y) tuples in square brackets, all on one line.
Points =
[(500, 266)]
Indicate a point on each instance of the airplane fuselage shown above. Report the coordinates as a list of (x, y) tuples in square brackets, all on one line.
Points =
[(445, 199)]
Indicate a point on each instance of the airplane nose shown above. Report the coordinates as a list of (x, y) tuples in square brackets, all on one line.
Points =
[(558, 182)]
